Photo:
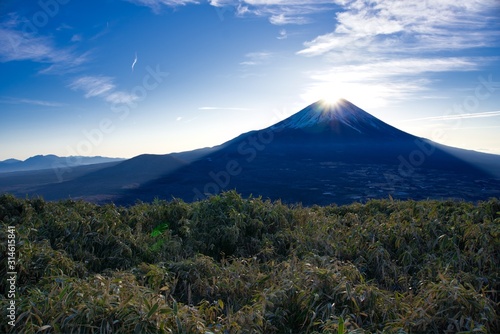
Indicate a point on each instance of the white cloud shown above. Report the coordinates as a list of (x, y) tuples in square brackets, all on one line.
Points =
[(121, 97), (383, 50), (378, 81), (241, 10), (225, 108), (279, 12), (18, 44), (256, 58), (282, 19), (408, 26), (69, 65), (374, 70), (156, 5), (457, 116), (283, 34), (42, 103), (93, 85), (103, 87), (287, 2), (220, 3)]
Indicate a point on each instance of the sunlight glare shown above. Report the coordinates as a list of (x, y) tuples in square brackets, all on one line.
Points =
[(372, 96), (331, 100)]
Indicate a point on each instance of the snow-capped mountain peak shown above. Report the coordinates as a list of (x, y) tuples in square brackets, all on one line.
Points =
[(339, 117), (322, 112)]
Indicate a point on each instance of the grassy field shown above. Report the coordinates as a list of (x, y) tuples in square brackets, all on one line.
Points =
[(229, 264)]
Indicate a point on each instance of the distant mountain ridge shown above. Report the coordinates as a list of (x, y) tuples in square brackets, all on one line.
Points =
[(40, 162), (325, 153)]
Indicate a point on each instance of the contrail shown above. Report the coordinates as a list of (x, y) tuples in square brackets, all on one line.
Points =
[(135, 61)]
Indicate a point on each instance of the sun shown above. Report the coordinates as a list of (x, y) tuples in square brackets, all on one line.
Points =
[(331, 100)]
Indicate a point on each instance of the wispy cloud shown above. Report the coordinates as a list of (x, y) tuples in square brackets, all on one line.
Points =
[(383, 50), (283, 34), (225, 108), (121, 97), (71, 64), (408, 26), (256, 58), (42, 103), (381, 80), (378, 69), (456, 116), (278, 12), (221, 3), (93, 85), (156, 5), (102, 87), (282, 19), (19, 45)]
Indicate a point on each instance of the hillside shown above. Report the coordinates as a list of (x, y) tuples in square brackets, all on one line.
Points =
[(330, 153), (229, 264), (44, 162), (324, 153)]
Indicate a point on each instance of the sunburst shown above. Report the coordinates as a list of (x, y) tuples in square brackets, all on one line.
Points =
[(330, 105), (331, 100)]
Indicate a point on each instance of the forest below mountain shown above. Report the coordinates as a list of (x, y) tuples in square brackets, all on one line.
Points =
[(228, 264)]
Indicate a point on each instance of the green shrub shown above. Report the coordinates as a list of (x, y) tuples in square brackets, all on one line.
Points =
[(233, 265)]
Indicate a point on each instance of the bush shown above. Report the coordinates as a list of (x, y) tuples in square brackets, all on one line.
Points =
[(233, 265)]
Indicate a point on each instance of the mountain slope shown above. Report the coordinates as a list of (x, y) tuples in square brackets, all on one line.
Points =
[(50, 161), (109, 183), (323, 154), (342, 119), (34, 181)]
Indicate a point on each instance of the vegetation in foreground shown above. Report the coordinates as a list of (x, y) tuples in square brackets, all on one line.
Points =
[(233, 265)]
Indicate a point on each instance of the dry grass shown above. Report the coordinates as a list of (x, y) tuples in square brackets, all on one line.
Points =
[(234, 265)]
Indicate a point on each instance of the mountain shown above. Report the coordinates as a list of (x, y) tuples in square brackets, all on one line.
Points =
[(332, 153), (111, 181), (343, 120), (325, 153), (10, 161), (50, 161)]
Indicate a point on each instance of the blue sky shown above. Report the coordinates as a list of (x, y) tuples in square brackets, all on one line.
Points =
[(120, 78)]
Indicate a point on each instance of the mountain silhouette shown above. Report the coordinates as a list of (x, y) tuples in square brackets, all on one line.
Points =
[(325, 153), (50, 161), (330, 153), (342, 119)]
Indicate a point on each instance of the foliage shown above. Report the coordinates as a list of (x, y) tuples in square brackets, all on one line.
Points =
[(233, 265)]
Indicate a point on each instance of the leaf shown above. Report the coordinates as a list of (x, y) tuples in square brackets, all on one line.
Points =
[(41, 329), (341, 329), (158, 230), (153, 310), (175, 307)]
